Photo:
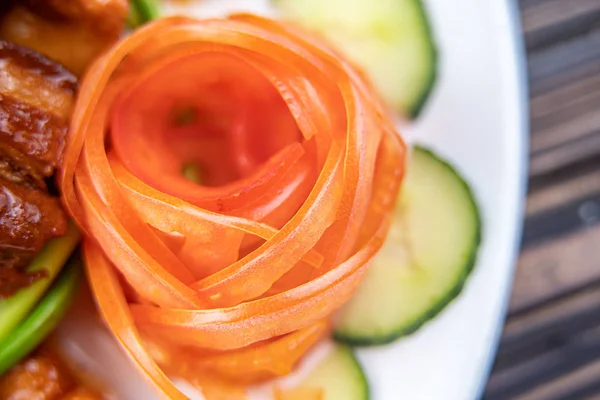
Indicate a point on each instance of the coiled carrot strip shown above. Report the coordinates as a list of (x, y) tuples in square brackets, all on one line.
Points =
[(299, 166)]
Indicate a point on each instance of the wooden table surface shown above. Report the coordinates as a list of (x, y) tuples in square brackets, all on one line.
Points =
[(550, 347)]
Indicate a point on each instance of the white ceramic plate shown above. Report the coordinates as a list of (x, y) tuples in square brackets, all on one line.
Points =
[(476, 119)]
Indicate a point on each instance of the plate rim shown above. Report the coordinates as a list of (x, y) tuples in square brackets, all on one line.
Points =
[(520, 83)]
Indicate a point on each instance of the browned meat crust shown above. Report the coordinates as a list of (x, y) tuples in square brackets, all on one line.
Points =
[(105, 16), (72, 32), (30, 78), (16, 168), (28, 219), (34, 133), (35, 64)]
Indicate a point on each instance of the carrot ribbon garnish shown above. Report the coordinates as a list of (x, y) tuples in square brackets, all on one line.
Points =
[(234, 272)]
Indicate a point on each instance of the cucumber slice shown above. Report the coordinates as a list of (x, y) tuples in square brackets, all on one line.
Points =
[(339, 376), (51, 258), (390, 39), (430, 251), (44, 318)]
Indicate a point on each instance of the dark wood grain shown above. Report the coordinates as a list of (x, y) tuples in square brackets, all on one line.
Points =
[(550, 21), (550, 347)]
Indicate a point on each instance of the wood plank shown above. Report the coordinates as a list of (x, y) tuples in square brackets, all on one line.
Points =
[(565, 386), (581, 350), (565, 101), (529, 337), (564, 56), (549, 13), (531, 323), (583, 148), (565, 125), (584, 120), (557, 223), (560, 192), (550, 21), (571, 95), (565, 114), (564, 63), (543, 329), (589, 392), (556, 266)]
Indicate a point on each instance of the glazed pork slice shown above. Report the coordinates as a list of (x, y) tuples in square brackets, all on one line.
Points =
[(36, 97), (28, 219)]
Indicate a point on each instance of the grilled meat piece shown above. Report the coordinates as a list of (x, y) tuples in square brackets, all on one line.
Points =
[(107, 17), (28, 219), (36, 97), (35, 79), (39, 378), (36, 134), (72, 32), (43, 376)]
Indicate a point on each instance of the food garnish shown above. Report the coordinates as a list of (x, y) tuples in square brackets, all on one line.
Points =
[(301, 168)]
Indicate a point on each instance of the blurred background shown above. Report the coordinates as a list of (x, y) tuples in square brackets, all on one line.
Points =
[(550, 347)]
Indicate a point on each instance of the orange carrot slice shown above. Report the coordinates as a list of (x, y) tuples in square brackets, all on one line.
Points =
[(230, 277)]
